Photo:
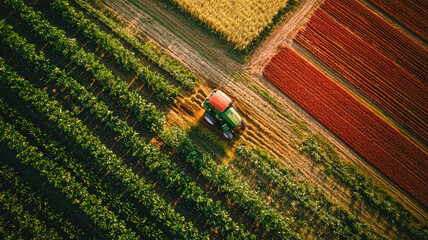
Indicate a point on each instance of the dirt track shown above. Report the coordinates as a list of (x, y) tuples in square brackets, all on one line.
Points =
[(199, 52)]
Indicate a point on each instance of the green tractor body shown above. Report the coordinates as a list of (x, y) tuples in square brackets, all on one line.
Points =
[(219, 108)]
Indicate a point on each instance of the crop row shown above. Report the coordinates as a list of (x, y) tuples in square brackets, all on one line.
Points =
[(118, 89), (147, 48), (17, 199), (272, 221), (106, 160), (362, 186), (158, 163), (267, 221), (412, 14), (238, 190), (29, 155), (35, 198), (86, 175), (389, 85), (38, 203), (27, 221), (359, 127), (124, 57), (341, 223), (260, 210), (380, 35)]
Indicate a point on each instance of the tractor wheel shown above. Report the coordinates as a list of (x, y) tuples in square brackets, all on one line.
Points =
[(210, 119), (244, 124), (227, 134)]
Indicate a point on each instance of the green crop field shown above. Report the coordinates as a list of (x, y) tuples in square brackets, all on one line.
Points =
[(88, 151)]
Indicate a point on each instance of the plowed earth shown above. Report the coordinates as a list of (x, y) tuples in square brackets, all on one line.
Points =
[(206, 57)]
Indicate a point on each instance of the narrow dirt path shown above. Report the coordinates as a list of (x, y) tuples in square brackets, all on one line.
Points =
[(198, 51), (281, 36)]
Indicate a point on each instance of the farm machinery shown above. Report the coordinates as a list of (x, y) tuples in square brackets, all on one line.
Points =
[(219, 108)]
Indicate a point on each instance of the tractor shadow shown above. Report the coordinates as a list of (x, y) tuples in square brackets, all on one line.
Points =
[(211, 140)]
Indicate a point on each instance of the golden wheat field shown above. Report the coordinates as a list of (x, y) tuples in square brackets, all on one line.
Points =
[(238, 21)]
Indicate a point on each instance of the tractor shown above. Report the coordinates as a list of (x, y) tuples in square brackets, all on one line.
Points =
[(219, 108)]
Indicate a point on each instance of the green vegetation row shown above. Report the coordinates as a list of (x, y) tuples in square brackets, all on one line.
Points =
[(26, 222), (264, 221), (124, 57), (275, 225), (267, 226), (61, 158), (85, 174), (147, 48), (396, 215), (158, 163), (341, 223), (35, 199), (37, 202), (29, 155), (145, 111), (108, 162), (322, 152), (271, 221)]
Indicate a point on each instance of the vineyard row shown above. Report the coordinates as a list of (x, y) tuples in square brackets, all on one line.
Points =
[(147, 48), (264, 222), (106, 160)]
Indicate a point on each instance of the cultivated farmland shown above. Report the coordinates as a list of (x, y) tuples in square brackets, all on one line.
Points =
[(237, 21), (371, 57), (411, 14), (378, 142), (102, 134)]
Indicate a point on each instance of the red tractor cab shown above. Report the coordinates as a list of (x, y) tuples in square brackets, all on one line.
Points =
[(219, 108)]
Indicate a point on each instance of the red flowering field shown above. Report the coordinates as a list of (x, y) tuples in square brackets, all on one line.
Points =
[(411, 13), (374, 139), (380, 35), (366, 67)]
